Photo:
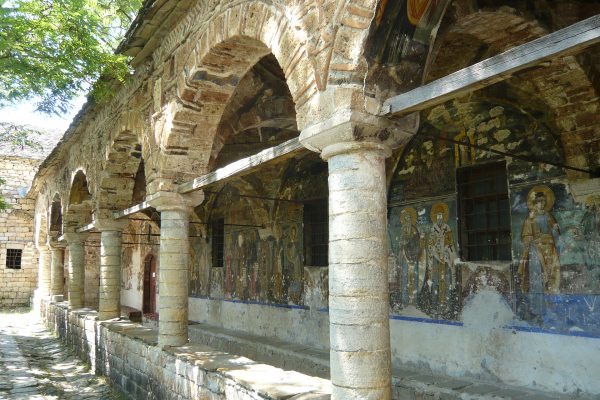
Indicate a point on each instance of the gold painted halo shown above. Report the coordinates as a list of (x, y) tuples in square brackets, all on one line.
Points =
[(412, 212), (546, 191), (439, 208)]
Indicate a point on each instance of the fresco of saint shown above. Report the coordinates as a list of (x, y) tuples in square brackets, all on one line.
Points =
[(539, 267), (294, 266), (409, 255), (440, 253)]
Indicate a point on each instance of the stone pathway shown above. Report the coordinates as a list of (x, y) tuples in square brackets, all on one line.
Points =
[(35, 365)]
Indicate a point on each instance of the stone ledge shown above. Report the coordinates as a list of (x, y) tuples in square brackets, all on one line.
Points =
[(126, 352), (407, 384)]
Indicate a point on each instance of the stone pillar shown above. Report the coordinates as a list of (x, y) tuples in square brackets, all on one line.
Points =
[(358, 286), (109, 298), (360, 356), (57, 267), (76, 243), (173, 276), (44, 276)]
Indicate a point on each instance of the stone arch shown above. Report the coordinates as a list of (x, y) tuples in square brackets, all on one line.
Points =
[(121, 172), (79, 207), (560, 88), (231, 43), (260, 114), (56, 217)]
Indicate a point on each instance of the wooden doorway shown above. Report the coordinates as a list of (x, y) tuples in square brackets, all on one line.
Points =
[(149, 305)]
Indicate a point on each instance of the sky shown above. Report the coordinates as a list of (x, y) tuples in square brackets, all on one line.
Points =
[(24, 113)]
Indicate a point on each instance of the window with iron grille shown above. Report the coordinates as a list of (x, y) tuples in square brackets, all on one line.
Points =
[(218, 242), (13, 258), (316, 233), (484, 212)]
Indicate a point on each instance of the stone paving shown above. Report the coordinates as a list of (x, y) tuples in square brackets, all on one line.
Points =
[(35, 365)]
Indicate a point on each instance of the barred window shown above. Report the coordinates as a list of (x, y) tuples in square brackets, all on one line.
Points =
[(484, 212), (13, 258), (218, 242), (316, 233)]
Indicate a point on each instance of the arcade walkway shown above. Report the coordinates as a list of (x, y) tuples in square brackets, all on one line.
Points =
[(35, 365)]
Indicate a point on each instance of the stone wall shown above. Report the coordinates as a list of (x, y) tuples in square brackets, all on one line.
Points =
[(16, 231), (127, 354), (92, 272), (295, 324)]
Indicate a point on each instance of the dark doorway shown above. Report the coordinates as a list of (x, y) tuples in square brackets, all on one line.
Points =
[(150, 284)]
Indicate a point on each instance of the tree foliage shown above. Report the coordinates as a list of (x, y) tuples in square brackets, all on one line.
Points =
[(56, 49)]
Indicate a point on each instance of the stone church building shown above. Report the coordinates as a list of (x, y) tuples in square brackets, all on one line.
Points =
[(18, 250), (354, 199)]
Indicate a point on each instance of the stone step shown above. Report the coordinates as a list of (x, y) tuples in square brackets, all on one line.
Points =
[(408, 384)]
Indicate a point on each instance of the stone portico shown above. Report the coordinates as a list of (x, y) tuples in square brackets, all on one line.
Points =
[(249, 179)]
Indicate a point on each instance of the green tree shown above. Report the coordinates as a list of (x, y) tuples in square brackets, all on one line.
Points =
[(54, 50)]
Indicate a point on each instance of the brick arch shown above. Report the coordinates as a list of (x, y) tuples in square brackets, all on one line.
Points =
[(261, 101), (79, 201), (226, 48), (56, 214), (117, 179), (560, 86)]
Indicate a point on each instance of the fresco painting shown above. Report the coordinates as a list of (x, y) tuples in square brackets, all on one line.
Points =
[(539, 266), (247, 266), (557, 280), (423, 275), (553, 280), (263, 257)]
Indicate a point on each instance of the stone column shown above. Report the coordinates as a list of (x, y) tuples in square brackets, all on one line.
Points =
[(44, 276), (76, 267), (173, 276), (359, 332), (358, 286), (57, 267), (109, 305)]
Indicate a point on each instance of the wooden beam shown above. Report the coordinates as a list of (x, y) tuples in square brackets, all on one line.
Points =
[(131, 210), (85, 228), (243, 166), (563, 42)]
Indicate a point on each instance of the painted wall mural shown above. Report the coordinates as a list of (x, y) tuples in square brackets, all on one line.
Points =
[(552, 280), (263, 255), (424, 279), (557, 277)]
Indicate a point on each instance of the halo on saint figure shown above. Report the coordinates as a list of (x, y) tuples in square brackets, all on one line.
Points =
[(540, 191), (439, 208), (408, 211)]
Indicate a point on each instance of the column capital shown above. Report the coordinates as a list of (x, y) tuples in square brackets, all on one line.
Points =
[(104, 221), (56, 245), (53, 242), (351, 126), (75, 237), (170, 201), (354, 147)]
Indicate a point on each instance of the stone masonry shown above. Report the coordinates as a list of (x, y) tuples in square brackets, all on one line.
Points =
[(269, 82), (128, 355), (17, 168)]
